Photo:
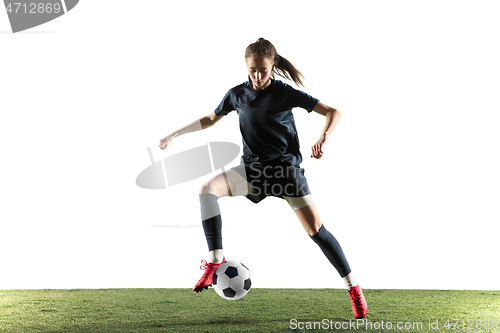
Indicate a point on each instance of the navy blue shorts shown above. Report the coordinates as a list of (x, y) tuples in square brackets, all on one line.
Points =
[(277, 181)]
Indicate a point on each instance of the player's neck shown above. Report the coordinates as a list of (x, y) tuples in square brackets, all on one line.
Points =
[(263, 87)]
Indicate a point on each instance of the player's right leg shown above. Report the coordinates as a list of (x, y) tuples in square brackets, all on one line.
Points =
[(307, 213), (221, 185)]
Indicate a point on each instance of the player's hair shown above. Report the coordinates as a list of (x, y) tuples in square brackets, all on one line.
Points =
[(284, 68)]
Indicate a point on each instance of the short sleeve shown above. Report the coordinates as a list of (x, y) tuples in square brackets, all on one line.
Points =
[(226, 105), (300, 99)]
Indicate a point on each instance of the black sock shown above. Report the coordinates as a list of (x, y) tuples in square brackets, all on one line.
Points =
[(332, 250), (211, 219)]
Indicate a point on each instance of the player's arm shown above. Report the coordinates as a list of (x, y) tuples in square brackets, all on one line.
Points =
[(199, 124), (209, 120), (332, 119)]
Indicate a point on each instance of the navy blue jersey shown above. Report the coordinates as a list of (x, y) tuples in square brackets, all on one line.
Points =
[(266, 121)]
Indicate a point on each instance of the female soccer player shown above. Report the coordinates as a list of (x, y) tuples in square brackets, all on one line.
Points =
[(270, 164)]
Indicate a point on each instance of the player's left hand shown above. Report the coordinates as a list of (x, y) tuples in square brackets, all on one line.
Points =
[(317, 149)]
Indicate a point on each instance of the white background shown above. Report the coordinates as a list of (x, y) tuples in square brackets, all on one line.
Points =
[(409, 183)]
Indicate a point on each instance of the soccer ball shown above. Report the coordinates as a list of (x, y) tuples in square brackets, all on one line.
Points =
[(232, 280)]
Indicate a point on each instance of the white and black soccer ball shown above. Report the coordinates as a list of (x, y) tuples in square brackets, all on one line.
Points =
[(232, 280)]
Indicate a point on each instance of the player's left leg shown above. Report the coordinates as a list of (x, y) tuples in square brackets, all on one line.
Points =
[(306, 211)]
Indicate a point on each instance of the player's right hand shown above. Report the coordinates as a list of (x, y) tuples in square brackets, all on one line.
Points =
[(166, 140)]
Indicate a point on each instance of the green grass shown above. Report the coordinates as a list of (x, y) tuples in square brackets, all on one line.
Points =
[(262, 310)]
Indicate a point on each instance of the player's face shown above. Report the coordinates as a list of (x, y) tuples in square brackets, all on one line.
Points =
[(259, 71)]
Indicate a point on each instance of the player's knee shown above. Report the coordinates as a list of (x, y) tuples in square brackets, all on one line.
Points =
[(206, 188), (314, 229), (214, 187)]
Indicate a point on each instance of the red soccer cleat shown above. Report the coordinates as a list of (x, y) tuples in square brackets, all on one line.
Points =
[(206, 279), (359, 306)]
